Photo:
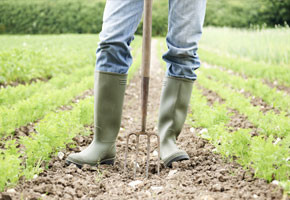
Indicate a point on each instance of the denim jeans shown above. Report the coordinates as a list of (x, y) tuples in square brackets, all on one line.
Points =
[(120, 21)]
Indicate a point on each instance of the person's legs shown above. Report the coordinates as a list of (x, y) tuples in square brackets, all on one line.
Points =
[(121, 19), (185, 28), (185, 23)]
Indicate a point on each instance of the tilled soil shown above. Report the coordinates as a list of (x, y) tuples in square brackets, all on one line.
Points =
[(277, 86), (210, 95), (263, 106), (16, 83), (237, 120), (255, 101), (206, 176)]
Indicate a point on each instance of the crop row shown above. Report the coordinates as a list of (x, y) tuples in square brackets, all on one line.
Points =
[(11, 95), (44, 57), (24, 65), (52, 133), (37, 106), (268, 123), (248, 67), (25, 58), (255, 86), (268, 157), (45, 97)]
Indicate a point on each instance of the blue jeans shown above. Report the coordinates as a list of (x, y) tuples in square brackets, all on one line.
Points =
[(120, 21)]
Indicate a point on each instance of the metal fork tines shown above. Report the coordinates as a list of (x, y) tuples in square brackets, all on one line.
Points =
[(149, 135)]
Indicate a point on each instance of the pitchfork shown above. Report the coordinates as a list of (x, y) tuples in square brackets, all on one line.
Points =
[(146, 56)]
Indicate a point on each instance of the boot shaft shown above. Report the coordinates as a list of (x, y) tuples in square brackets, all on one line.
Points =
[(109, 98), (176, 93)]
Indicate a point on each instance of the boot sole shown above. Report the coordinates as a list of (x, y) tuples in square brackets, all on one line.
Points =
[(176, 159), (110, 161)]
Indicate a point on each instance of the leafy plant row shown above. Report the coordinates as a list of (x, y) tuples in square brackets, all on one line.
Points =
[(43, 57), (268, 123), (49, 97), (268, 158), (271, 96), (26, 58), (36, 107), (248, 67), (24, 65), (12, 95), (52, 134)]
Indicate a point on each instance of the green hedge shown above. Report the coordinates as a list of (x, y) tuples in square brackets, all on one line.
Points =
[(50, 17), (64, 16), (85, 16), (246, 13)]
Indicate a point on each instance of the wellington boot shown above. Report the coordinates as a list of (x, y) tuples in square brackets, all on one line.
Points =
[(109, 97), (175, 98)]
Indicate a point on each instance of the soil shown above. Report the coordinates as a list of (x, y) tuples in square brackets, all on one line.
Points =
[(240, 121), (255, 101), (282, 88), (16, 83), (210, 95), (206, 176), (237, 120)]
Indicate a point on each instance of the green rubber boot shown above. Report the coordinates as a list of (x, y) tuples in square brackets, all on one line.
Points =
[(175, 98), (109, 97)]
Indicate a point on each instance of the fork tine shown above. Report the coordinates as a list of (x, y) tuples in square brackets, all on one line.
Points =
[(158, 149), (148, 155), (126, 152), (137, 153), (158, 146)]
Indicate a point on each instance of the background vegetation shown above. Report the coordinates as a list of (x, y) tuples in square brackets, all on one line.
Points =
[(85, 16)]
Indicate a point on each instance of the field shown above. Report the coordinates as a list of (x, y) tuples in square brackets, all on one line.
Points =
[(236, 133)]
